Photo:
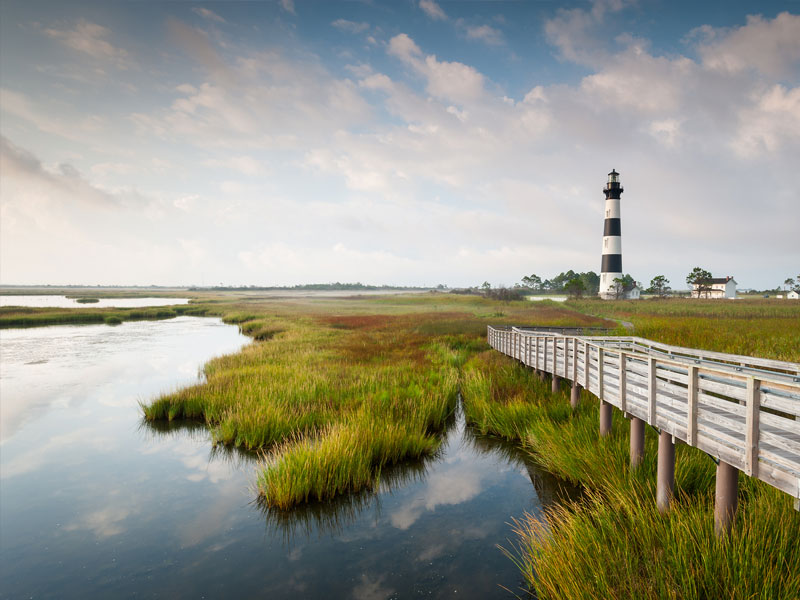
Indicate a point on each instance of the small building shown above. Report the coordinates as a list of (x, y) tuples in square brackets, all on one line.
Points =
[(793, 295), (633, 292), (716, 287)]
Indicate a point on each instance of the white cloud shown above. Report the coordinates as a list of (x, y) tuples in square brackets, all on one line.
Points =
[(579, 35), (485, 181), (372, 589), (433, 10), (452, 81), (771, 46), (246, 165), (274, 103), (90, 38), (485, 33), (771, 125), (113, 168), (350, 26), (198, 46), (81, 129), (209, 15), (288, 6)]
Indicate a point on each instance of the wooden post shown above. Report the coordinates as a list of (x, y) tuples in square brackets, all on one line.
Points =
[(555, 386), (601, 357), (637, 442), (574, 361), (753, 400), (623, 382), (575, 392), (665, 483), (586, 364), (575, 395), (726, 498), (691, 420), (651, 391), (605, 417), (544, 355)]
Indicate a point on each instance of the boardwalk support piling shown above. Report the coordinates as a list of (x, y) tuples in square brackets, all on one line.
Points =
[(556, 384), (605, 417), (665, 484), (575, 396), (726, 498), (637, 442)]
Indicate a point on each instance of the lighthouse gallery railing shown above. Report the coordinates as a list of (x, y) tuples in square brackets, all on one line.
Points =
[(744, 411)]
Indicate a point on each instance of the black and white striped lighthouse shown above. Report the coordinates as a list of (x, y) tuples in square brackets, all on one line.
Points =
[(611, 267)]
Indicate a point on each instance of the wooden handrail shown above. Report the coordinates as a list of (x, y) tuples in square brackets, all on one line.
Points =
[(742, 410)]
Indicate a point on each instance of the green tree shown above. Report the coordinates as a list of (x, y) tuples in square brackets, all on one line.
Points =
[(618, 288), (575, 287), (486, 286), (532, 281), (789, 283), (659, 285), (700, 279), (591, 282)]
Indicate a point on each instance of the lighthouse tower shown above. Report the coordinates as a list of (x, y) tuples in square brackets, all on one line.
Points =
[(611, 267)]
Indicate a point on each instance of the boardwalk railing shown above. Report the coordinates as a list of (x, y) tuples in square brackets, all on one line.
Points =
[(741, 410)]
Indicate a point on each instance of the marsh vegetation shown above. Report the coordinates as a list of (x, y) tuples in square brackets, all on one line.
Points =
[(614, 543), (337, 393)]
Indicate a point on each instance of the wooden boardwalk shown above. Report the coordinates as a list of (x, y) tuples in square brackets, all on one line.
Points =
[(743, 411)]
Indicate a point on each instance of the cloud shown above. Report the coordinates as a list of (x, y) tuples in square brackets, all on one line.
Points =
[(288, 6), (103, 523), (578, 34), (80, 128), (209, 15), (350, 26), (276, 102), (486, 34), (246, 165), (90, 38), (197, 45), (453, 81), (770, 125), (433, 10), (20, 167), (372, 589), (770, 46)]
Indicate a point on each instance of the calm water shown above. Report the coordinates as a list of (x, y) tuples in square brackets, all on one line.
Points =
[(94, 503), (64, 302)]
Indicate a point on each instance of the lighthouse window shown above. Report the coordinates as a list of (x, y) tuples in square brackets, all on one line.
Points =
[(608, 213), (605, 243)]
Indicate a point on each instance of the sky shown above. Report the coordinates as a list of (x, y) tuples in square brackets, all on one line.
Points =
[(403, 142)]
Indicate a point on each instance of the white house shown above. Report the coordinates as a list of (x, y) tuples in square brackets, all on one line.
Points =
[(716, 287), (793, 295), (633, 293)]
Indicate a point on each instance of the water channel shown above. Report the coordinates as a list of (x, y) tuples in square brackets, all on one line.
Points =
[(55, 301), (96, 503)]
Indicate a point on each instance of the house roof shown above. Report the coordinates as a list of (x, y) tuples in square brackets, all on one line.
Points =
[(714, 280)]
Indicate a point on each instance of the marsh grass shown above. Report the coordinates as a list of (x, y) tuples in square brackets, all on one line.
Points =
[(16, 316), (614, 543), (754, 327), (336, 393)]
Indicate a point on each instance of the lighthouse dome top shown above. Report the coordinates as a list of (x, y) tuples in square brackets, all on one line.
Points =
[(613, 177)]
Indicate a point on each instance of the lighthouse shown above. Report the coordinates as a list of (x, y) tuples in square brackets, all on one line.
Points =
[(611, 267)]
